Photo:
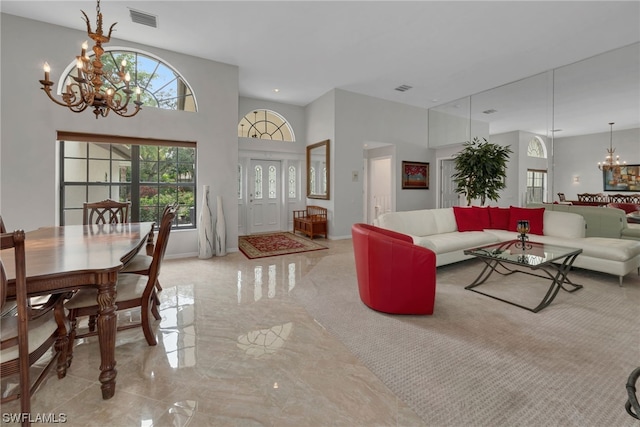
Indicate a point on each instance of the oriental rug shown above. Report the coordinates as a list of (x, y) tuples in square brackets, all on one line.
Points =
[(274, 244)]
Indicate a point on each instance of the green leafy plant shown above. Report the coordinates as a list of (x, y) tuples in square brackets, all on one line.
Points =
[(481, 170)]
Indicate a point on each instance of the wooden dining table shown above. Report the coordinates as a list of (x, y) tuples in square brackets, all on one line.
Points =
[(65, 258)]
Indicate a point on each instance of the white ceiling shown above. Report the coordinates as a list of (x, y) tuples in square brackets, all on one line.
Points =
[(444, 50)]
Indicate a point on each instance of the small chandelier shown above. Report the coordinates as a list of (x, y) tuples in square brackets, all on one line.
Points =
[(93, 86), (609, 163)]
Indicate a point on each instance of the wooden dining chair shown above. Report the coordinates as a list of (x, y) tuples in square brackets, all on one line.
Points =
[(3, 229), (134, 290), (28, 334), (141, 263), (105, 212)]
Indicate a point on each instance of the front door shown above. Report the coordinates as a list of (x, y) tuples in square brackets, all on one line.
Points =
[(265, 196)]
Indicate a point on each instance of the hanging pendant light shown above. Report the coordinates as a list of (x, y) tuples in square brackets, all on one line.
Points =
[(93, 86), (609, 163)]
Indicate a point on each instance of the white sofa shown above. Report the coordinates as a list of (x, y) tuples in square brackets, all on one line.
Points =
[(437, 230)]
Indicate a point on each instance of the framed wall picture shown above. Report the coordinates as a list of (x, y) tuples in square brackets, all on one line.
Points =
[(415, 175), (622, 178)]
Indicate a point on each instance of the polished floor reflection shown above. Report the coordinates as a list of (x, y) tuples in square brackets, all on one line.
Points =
[(234, 349)]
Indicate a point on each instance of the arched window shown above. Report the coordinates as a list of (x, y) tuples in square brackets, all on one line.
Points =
[(161, 85), (265, 124), (536, 148)]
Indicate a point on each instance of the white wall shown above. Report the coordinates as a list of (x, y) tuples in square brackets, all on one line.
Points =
[(28, 190), (360, 119), (579, 156), (320, 125)]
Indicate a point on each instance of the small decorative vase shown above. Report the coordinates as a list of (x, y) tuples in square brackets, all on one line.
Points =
[(205, 227), (221, 230)]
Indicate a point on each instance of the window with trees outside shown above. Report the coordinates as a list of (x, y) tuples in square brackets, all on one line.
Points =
[(150, 176), (161, 85)]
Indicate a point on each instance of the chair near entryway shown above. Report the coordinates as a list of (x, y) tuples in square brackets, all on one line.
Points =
[(105, 212), (134, 290), (27, 334)]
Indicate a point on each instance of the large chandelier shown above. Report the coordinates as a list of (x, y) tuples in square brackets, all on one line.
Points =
[(103, 90), (609, 163)]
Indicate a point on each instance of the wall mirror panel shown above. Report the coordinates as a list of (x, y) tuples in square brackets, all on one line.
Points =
[(450, 123), (318, 170), (569, 108), (524, 105), (593, 92)]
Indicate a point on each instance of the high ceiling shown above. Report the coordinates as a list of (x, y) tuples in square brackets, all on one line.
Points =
[(443, 50)]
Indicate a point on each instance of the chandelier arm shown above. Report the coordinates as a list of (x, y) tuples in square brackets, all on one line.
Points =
[(69, 102)]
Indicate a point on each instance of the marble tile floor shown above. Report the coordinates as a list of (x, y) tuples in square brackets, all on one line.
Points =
[(234, 349)]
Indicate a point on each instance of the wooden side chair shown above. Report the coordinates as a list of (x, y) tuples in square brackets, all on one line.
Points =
[(134, 290), (141, 263), (105, 212), (28, 334), (3, 229)]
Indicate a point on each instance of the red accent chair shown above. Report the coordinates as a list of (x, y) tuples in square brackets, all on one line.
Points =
[(394, 275)]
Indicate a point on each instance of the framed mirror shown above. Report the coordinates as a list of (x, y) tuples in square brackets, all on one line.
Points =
[(318, 171)]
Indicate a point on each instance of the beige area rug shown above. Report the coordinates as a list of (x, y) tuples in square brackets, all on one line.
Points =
[(481, 362)]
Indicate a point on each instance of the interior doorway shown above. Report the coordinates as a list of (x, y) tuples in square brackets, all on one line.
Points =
[(379, 187), (448, 195)]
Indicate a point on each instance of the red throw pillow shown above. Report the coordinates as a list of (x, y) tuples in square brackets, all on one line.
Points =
[(535, 216), (482, 216), (499, 218), (466, 219)]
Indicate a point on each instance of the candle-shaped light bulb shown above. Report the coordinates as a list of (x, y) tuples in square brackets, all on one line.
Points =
[(85, 45), (122, 65), (47, 69), (127, 77), (79, 64), (138, 91), (109, 92)]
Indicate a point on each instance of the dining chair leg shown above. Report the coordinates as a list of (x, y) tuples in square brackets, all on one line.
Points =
[(146, 322)]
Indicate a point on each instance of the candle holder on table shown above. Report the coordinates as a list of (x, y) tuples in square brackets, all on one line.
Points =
[(523, 228)]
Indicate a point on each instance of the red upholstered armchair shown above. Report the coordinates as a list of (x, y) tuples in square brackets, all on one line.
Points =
[(394, 275)]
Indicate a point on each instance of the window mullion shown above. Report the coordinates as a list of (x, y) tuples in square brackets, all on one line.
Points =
[(135, 183)]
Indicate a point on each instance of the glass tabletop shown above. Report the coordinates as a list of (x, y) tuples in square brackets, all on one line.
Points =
[(533, 254)]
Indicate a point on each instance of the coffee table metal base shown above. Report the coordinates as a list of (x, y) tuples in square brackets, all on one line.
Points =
[(557, 273)]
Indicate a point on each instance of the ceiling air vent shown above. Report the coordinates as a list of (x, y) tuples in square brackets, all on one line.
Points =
[(490, 111), (403, 88), (143, 18)]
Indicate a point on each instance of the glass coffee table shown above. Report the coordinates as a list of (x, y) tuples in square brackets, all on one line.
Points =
[(516, 256)]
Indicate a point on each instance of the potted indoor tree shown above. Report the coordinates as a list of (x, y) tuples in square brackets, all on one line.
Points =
[(481, 170)]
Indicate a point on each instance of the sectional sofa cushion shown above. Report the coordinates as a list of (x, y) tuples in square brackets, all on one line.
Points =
[(499, 218), (482, 216), (535, 216), (466, 219)]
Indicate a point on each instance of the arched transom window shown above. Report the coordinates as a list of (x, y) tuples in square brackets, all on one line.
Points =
[(161, 85), (536, 148), (265, 124)]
